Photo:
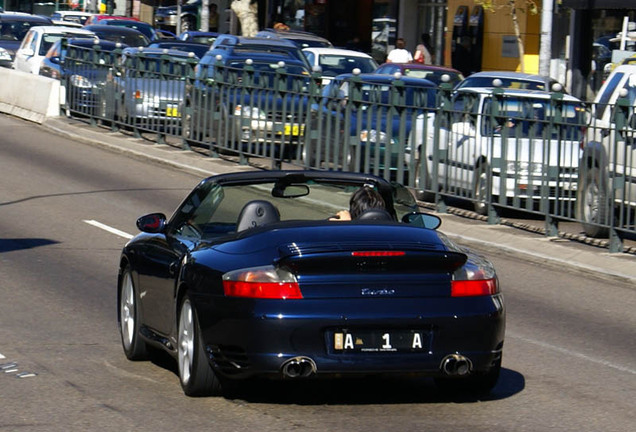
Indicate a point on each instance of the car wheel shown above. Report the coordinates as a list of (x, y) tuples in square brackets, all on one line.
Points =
[(481, 186), (595, 204), (479, 383), (130, 319), (195, 373)]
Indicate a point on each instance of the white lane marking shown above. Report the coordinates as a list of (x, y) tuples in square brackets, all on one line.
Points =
[(109, 229), (572, 353), (2, 357)]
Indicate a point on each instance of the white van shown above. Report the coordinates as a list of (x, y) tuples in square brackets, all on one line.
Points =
[(608, 166), (37, 42)]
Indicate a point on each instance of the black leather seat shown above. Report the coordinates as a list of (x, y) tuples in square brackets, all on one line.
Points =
[(257, 213), (376, 214)]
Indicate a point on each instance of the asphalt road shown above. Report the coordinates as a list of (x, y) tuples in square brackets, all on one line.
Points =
[(65, 210)]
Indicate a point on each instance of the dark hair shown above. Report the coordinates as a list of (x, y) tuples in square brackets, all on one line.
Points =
[(426, 40), (363, 199), (400, 43)]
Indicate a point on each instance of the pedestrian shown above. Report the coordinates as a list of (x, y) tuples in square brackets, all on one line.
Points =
[(399, 54), (423, 51), (213, 19)]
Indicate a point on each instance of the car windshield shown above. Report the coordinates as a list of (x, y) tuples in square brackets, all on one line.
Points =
[(213, 209), (433, 75), (511, 83), (133, 40), (333, 64), (16, 30), (534, 118)]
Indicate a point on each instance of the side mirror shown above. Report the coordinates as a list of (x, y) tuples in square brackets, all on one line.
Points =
[(55, 60), (28, 52), (153, 223), (423, 220)]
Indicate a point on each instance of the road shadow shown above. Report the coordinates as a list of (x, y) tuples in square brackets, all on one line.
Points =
[(369, 390), (14, 244)]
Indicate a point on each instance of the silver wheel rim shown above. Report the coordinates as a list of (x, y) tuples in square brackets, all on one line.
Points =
[(127, 311), (480, 190), (186, 342), (591, 202)]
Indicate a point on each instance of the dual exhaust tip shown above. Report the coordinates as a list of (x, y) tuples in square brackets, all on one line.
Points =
[(304, 367), (456, 365), (299, 367)]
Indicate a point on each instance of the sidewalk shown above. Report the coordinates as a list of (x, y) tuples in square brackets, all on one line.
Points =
[(497, 238)]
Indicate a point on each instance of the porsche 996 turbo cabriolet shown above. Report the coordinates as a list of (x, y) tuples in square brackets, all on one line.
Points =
[(252, 277)]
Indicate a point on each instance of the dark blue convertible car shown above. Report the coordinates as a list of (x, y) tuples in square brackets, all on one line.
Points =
[(250, 278)]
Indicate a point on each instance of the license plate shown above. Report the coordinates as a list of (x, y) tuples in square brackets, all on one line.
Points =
[(380, 341), (294, 130), (172, 111)]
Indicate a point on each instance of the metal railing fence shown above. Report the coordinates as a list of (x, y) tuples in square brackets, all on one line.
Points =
[(546, 154)]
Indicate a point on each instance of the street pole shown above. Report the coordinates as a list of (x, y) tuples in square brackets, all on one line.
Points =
[(545, 50)]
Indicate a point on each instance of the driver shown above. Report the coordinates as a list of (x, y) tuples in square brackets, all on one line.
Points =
[(363, 199)]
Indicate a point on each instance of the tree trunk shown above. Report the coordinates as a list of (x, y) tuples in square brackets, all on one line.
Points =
[(515, 24)]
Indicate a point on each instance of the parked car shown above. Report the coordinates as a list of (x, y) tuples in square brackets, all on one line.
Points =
[(301, 38), (518, 145), (150, 87), (512, 80), (124, 35), (71, 16), (36, 43), (608, 165), (436, 74), (13, 29), (198, 49), (249, 278), (336, 61), (365, 125), (252, 117), (83, 65), (149, 31), (96, 18), (167, 17), (199, 36)]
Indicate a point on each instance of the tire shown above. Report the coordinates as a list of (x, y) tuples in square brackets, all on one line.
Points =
[(595, 205), (130, 319), (195, 372), (476, 384), (481, 186)]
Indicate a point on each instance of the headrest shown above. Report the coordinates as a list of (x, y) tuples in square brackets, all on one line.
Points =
[(257, 213), (375, 214)]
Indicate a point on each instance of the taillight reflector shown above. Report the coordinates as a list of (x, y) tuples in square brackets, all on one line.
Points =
[(263, 290), (466, 288), (377, 253)]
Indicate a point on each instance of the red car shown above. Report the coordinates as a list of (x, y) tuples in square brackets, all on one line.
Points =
[(95, 19), (418, 70)]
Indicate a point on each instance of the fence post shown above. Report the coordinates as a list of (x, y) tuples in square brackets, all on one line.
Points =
[(620, 114)]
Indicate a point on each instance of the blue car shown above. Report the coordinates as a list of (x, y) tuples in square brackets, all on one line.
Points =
[(363, 122), (249, 96), (250, 278)]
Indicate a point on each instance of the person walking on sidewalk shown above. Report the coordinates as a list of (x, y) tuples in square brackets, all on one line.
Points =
[(399, 54)]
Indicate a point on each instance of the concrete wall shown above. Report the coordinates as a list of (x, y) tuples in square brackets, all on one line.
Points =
[(29, 96)]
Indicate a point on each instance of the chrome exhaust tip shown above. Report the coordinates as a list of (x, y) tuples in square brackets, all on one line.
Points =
[(299, 367), (456, 365)]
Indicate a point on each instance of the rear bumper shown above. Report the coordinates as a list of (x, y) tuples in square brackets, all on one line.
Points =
[(258, 341)]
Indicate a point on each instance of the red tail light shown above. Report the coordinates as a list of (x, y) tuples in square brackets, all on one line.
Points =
[(377, 253), (261, 282), (466, 288)]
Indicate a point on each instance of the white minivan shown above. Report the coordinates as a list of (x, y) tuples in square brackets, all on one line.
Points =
[(37, 42)]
